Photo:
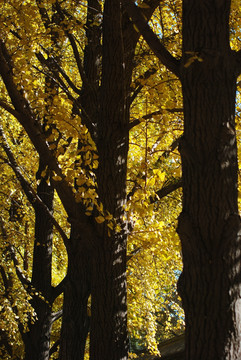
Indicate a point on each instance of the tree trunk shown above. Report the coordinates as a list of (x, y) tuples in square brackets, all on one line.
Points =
[(75, 321), (209, 225), (109, 339), (37, 339), (108, 283)]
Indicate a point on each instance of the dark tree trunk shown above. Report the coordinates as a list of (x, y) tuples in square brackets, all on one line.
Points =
[(75, 320), (37, 339), (108, 283), (109, 311), (209, 225)]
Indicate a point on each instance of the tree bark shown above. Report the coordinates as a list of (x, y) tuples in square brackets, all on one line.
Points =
[(209, 225), (37, 339), (75, 321), (108, 283)]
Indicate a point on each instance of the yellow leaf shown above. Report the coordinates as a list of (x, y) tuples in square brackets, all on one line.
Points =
[(151, 182), (159, 173), (117, 228), (80, 181), (110, 225), (44, 172), (100, 219), (57, 178)]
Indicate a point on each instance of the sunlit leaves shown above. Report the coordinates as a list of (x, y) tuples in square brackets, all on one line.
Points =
[(37, 44)]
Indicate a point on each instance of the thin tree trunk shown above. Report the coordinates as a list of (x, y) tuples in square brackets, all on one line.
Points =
[(209, 225), (75, 322), (37, 339)]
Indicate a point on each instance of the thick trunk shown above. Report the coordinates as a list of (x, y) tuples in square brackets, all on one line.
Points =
[(37, 339), (108, 310), (209, 225), (108, 336)]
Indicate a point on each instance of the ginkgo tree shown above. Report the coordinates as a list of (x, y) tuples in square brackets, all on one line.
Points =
[(66, 72), (209, 225)]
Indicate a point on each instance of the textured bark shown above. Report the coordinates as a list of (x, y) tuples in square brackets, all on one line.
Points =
[(108, 284), (109, 311), (108, 335), (209, 225)]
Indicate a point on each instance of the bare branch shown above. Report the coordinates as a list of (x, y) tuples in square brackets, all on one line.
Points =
[(166, 190)]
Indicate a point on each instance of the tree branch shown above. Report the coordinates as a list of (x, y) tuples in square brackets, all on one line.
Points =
[(54, 348), (57, 290), (49, 64), (151, 38), (8, 284), (22, 278), (133, 253), (166, 190), (29, 191), (56, 315), (135, 122), (138, 82), (8, 108), (28, 120), (44, 14)]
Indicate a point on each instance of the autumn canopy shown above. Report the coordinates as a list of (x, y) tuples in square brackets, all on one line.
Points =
[(119, 176)]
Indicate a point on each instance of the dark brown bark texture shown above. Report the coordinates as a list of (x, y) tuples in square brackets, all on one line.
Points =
[(209, 225), (108, 283)]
